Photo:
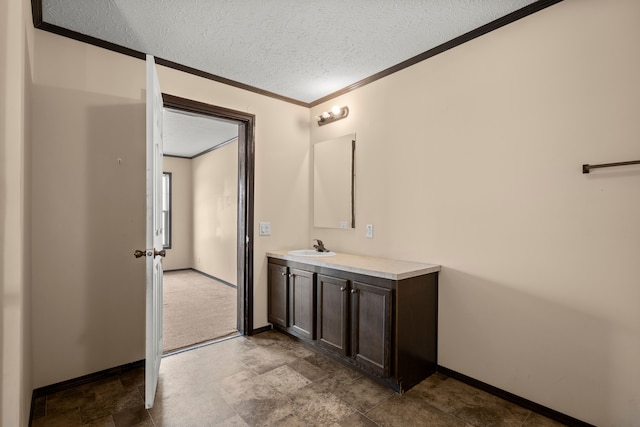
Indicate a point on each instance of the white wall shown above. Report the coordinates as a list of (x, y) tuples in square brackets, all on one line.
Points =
[(472, 160), (89, 213), (215, 213), (181, 253), (16, 43)]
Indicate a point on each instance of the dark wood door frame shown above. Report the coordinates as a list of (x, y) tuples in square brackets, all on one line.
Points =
[(246, 168)]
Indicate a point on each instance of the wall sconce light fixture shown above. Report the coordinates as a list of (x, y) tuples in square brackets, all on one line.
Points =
[(336, 113)]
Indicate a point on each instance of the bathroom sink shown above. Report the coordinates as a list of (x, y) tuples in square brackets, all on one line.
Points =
[(311, 253)]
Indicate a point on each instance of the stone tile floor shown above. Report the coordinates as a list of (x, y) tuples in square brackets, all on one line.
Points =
[(271, 379)]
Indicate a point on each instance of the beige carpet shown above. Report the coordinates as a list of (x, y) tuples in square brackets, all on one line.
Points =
[(196, 309)]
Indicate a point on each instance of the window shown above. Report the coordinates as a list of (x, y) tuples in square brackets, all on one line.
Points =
[(166, 210)]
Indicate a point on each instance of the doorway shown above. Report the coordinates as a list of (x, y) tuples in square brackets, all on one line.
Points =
[(203, 270)]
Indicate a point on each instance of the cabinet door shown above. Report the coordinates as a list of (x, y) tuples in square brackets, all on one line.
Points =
[(278, 298), (302, 303), (333, 313), (371, 327)]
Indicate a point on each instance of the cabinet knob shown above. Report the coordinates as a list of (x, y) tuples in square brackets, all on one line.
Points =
[(284, 274), (343, 288), (291, 275), (354, 291)]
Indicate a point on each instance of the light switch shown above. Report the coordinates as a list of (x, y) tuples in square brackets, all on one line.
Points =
[(264, 229), (369, 229)]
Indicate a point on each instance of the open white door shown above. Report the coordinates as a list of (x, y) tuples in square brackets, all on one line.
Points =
[(154, 252)]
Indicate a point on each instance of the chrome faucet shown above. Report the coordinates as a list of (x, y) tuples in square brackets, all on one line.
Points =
[(320, 246)]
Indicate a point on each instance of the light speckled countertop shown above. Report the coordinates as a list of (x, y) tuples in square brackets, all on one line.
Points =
[(370, 266)]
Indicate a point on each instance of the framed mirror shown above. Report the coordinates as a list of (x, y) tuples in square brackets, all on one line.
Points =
[(333, 182)]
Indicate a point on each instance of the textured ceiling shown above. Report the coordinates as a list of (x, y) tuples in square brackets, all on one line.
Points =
[(298, 49), (186, 135)]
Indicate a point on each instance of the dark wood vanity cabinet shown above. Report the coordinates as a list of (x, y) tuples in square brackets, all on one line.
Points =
[(385, 328), (291, 300), (333, 313), (278, 297), (302, 303), (354, 319), (371, 327)]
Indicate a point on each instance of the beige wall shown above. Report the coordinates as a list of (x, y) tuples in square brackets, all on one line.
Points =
[(15, 272), (215, 213), (204, 213), (89, 211), (88, 217), (181, 253), (282, 174), (472, 160)]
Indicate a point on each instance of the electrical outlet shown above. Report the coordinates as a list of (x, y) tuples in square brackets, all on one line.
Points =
[(265, 229), (369, 229)]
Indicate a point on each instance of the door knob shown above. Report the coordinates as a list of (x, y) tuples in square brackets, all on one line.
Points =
[(138, 253), (148, 252)]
